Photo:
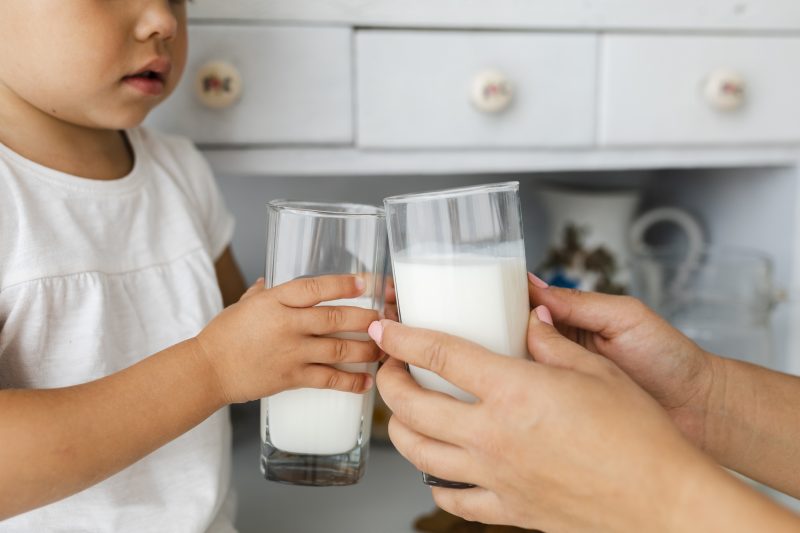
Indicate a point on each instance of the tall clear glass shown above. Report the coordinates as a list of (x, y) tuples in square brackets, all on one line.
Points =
[(459, 267), (311, 436)]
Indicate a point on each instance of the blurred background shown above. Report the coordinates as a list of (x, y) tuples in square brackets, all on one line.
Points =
[(657, 146)]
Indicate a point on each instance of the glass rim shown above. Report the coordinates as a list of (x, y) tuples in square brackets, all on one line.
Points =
[(327, 209), (452, 193)]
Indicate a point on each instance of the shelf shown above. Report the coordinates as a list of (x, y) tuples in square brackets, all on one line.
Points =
[(353, 162), (675, 15)]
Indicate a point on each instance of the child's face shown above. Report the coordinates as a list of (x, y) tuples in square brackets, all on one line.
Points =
[(96, 63)]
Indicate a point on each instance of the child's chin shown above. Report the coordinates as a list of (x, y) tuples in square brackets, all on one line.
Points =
[(129, 120)]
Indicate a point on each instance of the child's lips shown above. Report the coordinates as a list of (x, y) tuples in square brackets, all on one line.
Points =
[(152, 86), (150, 79)]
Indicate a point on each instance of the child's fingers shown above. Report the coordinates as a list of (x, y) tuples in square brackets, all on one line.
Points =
[(254, 288), (331, 351), (325, 319), (307, 292), (327, 377)]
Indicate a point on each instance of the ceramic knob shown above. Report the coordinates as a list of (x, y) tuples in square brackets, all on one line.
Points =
[(218, 84), (726, 90), (491, 92)]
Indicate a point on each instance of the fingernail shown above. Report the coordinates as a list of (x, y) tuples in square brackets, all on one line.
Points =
[(360, 284), (375, 332), (543, 313), (536, 280), (368, 382)]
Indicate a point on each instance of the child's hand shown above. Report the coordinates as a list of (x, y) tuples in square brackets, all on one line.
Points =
[(274, 339)]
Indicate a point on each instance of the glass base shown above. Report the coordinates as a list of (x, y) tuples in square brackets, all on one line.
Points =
[(313, 470), (434, 481)]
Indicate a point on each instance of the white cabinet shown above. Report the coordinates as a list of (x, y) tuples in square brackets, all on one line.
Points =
[(685, 90), (295, 86), (428, 89)]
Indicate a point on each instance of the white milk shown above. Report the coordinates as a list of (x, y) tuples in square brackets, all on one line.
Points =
[(480, 298), (317, 421)]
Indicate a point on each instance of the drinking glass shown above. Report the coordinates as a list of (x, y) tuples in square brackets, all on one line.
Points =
[(311, 436), (458, 258)]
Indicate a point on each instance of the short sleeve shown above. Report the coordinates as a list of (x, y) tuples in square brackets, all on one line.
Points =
[(195, 176), (218, 221)]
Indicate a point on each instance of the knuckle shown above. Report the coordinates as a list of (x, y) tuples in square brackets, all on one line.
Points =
[(335, 316), (435, 357), (634, 304), (357, 384), (453, 505), (341, 350), (313, 287), (419, 456), (334, 380)]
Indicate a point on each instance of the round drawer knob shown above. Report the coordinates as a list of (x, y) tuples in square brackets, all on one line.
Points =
[(218, 84), (491, 92), (726, 90)]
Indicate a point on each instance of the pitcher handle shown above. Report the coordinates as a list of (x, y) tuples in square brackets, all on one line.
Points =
[(687, 223)]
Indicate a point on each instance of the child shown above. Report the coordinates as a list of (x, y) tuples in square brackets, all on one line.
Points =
[(114, 246)]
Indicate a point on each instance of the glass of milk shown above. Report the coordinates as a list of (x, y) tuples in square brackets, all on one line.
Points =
[(459, 267), (311, 436)]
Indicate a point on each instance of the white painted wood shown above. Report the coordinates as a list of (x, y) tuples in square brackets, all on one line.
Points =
[(352, 162), (652, 90), (738, 15), (297, 87), (414, 89)]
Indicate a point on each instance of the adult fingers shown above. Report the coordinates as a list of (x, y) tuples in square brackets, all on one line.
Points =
[(604, 314), (463, 363), (306, 292), (328, 319), (549, 347), (431, 413), (476, 504), (433, 457), (332, 351), (327, 377)]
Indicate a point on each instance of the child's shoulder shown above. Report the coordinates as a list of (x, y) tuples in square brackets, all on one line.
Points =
[(159, 144), (176, 159), (176, 155)]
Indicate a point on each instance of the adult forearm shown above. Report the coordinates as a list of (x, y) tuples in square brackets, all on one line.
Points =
[(710, 499), (58, 442), (752, 423)]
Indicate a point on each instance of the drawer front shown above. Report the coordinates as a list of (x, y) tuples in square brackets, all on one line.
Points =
[(296, 87), (415, 89), (659, 90)]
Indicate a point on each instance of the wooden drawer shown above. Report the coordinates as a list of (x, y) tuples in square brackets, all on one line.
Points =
[(655, 90), (414, 89), (296, 87)]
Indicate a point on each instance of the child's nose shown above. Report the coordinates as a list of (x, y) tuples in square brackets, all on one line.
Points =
[(157, 20)]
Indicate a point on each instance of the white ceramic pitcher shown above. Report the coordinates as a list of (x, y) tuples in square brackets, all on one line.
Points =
[(592, 235)]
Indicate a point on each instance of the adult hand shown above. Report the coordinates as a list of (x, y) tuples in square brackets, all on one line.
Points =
[(663, 361), (569, 445), (276, 339)]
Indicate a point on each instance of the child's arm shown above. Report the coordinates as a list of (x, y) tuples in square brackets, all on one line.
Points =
[(54, 443), (229, 277)]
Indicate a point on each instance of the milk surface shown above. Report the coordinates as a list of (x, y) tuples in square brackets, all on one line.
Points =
[(318, 421), (481, 298)]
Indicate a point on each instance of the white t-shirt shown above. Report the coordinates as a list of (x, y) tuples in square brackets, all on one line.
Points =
[(95, 276)]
